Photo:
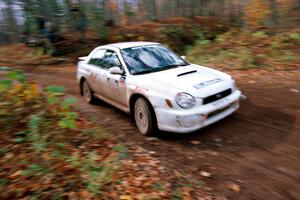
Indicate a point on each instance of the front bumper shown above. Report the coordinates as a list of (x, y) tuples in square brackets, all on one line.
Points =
[(189, 120)]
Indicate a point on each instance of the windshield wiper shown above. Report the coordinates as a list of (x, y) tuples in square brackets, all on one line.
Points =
[(173, 66), (148, 71), (159, 69), (142, 72)]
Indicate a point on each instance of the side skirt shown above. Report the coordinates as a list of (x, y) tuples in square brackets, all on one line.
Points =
[(117, 105)]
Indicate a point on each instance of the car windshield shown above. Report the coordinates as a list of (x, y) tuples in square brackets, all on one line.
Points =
[(150, 58)]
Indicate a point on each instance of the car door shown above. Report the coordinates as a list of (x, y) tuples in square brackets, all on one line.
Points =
[(115, 83), (97, 77)]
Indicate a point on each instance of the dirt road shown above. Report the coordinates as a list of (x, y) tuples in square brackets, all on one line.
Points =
[(254, 154)]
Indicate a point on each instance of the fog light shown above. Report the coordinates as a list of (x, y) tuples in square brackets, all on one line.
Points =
[(203, 118)]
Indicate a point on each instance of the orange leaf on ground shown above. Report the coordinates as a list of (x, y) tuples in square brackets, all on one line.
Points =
[(85, 194)]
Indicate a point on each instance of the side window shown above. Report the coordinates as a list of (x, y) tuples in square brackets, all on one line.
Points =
[(97, 57), (105, 59)]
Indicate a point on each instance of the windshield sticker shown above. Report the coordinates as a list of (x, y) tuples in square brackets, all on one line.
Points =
[(135, 48), (112, 83), (141, 47), (207, 83), (122, 80)]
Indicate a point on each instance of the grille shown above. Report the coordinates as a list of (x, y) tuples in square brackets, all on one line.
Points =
[(217, 96)]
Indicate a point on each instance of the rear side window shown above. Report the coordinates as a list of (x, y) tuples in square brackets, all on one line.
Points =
[(97, 57), (105, 59)]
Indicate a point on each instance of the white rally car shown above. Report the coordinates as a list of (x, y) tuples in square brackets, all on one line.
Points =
[(157, 87)]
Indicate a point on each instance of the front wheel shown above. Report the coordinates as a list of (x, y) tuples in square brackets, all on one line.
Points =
[(144, 119)]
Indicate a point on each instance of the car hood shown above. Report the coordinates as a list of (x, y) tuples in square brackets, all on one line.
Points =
[(196, 80)]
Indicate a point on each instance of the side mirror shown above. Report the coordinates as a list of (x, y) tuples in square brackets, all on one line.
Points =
[(115, 70), (82, 58), (183, 57)]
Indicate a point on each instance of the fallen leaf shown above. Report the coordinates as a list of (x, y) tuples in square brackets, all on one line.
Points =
[(195, 142), (234, 187), (213, 153), (205, 174), (85, 194), (218, 139), (190, 157), (221, 198), (125, 197), (17, 173), (46, 156), (176, 173), (295, 90), (152, 152), (8, 156), (151, 139)]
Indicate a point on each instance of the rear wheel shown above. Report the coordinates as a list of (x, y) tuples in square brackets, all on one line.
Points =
[(144, 119), (87, 92)]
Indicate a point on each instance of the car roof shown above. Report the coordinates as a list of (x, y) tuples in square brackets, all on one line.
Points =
[(124, 45)]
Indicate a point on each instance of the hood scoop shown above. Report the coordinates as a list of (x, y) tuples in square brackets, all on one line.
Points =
[(185, 73)]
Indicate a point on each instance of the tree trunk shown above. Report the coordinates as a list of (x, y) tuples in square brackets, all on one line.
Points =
[(177, 10), (192, 8), (11, 22), (151, 10), (274, 14), (297, 4)]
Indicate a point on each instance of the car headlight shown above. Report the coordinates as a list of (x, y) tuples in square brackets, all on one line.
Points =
[(185, 100)]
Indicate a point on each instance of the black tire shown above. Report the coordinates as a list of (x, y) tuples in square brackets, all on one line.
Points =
[(144, 118), (87, 92)]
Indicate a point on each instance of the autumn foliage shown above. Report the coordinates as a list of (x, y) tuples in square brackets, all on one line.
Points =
[(48, 151), (238, 49), (256, 12)]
